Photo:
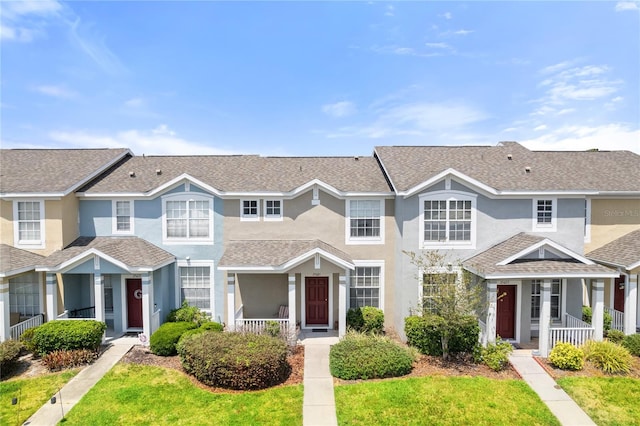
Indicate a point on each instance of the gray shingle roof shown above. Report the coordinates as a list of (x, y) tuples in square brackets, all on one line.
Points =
[(14, 259), (245, 173), (623, 251), (409, 166), (52, 170), (273, 253), (131, 251), (486, 263)]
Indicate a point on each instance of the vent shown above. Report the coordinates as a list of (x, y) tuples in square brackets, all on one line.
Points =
[(509, 157), (158, 172), (132, 174), (527, 169)]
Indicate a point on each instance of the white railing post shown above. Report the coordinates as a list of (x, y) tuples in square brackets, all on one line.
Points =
[(492, 300), (231, 302), (631, 304), (342, 304), (545, 318), (52, 297), (292, 306), (5, 309), (597, 316)]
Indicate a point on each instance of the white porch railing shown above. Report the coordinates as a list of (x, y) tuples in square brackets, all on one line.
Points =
[(64, 315), (572, 322), (155, 321), (576, 332), (483, 333), (18, 329), (617, 318)]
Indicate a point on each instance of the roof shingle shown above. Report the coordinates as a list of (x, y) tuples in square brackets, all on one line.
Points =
[(623, 251), (15, 259)]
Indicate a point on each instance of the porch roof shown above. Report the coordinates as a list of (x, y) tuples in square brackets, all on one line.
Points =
[(15, 261), (278, 255), (132, 254), (624, 251), (511, 259)]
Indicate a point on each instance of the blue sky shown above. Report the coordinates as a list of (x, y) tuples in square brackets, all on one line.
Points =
[(319, 78)]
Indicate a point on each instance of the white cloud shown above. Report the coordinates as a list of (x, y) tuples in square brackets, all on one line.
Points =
[(555, 68), (626, 5), (134, 103), (55, 91), (390, 10), (461, 32), (438, 45), (339, 109), (540, 127), (580, 138), (94, 46), (23, 21), (446, 15)]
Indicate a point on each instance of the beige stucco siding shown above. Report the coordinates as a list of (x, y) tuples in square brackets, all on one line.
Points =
[(261, 295), (611, 219), (6, 222)]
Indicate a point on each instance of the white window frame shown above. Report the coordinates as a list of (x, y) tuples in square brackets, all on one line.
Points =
[(28, 244), (369, 264), (448, 196), (250, 217), (545, 227), (187, 240), (114, 214), (587, 220), (561, 299), (349, 240), (36, 281), (273, 217), (196, 263)]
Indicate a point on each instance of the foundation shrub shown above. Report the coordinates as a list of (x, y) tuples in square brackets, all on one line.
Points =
[(187, 313), (27, 339), (67, 336), (567, 357), (587, 313), (235, 360), (367, 356), (632, 343), (214, 327), (425, 334), (608, 356), (496, 356), (163, 341), (615, 336), (60, 360), (9, 354), (366, 319)]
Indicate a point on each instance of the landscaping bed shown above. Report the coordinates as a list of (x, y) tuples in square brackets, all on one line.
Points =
[(589, 370)]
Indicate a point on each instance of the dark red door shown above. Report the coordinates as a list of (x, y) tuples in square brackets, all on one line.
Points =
[(317, 300), (506, 315), (134, 302), (618, 294)]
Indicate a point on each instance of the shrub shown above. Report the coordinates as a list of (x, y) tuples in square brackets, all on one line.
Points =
[(366, 319), (608, 356), (425, 333), (9, 354), (366, 356), (632, 343), (27, 339), (206, 327), (163, 341), (188, 313), (587, 315), (496, 356), (68, 335), (235, 360), (272, 328), (60, 360), (615, 336), (567, 357)]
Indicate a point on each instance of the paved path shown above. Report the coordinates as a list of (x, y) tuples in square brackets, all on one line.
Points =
[(76, 388), (319, 405), (560, 404)]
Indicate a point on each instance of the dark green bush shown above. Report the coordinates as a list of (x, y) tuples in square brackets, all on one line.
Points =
[(215, 327), (163, 341), (68, 335), (366, 319), (567, 357), (27, 339), (496, 356), (366, 356), (587, 315), (188, 313), (235, 360), (608, 356), (9, 354), (425, 333), (60, 360), (615, 336), (632, 343)]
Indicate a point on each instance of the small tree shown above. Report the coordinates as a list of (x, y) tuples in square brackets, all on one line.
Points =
[(448, 292)]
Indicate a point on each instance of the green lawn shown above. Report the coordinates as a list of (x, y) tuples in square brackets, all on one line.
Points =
[(441, 401), (31, 393), (607, 400), (143, 395)]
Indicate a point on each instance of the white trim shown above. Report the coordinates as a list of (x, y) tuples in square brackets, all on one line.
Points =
[(444, 174), (349, 240), (249, 217), (272, 217), (303, 307), (526, 275), (114, 217), (184, 263), (447, 196), (546, 243), (184, 196), (587, 228), (29, 244), (290, 264), (368, 263), (544, 227)]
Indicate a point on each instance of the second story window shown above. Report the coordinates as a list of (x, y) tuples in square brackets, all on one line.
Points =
[(29, 223), (188, 219), (447, 220), (250, 210), (123, 217), (544, 215), (272, 209), (365, 221)]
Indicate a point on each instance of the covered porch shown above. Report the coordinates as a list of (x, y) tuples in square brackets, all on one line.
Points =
[(286, 286)]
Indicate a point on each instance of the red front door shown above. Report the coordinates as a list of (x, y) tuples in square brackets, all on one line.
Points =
[(134, 302), (316, 292), (506, 315), (618, 294)]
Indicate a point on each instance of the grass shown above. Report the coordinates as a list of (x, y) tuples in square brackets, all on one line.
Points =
[(145, 395), (31, 393), (607, 400), (441, 401)]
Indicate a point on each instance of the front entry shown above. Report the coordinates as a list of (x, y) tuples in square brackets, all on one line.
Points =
[(618, 294), (134, 303), (506, 315), (316, 290)]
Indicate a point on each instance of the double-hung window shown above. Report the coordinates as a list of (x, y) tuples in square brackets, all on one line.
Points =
[(365, 221), (544, 214), (24, 295), (29, 223), (122, 216), (448, 220), (195, 286), (536, 300), (431, 289), (188, 219), (365, 288)]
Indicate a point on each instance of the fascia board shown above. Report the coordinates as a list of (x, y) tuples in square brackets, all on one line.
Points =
[(545, 242), (506, 276), (448, 172)]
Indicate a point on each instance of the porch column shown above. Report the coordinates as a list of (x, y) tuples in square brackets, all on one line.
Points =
[(597, 316), (492, 309), (292, 304), (231, 302), (52, 297), (342, 304), (5, 330), (545, 318), (147, 304), (98, 290), (630, 304)]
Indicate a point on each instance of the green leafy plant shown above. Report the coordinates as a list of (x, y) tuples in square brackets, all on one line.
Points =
[(163, 341), (68, 335), (632, 343), (567, 357), (367, 356), (272, 328), (608, 356), (615, 336), (425, 334), (27, 339), (235, 360), (9, 354), (366, 319), (496, 356), (587, 314), (187, 313), (60, 360)]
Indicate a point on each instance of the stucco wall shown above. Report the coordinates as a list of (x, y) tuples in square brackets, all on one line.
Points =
[(6, 222), (611, 219), (263, 294)]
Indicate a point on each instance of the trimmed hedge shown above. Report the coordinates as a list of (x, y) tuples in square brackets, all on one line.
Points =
[(60, 360), (632, 343), (366, 319), (366, 356), (68, 335), (163, 341), (567, 357), (424, 333), (215, 327), (235, 360), (608, 356), (9, 354)]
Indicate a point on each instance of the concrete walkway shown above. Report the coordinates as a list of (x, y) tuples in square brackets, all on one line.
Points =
[(560, 404), (319, 405), (76, 388)]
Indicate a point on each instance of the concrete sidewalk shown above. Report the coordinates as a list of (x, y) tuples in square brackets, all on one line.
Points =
[(76, 388), (319, 406), (560, 404)]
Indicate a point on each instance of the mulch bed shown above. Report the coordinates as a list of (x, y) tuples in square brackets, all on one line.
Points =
[(589, 370)]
